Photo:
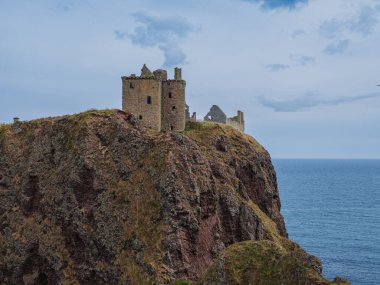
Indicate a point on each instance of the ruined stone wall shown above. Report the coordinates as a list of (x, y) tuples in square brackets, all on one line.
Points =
[(135, 100), (236, 125), (193, 117), (237, 122), (173, 105), (215, 115)]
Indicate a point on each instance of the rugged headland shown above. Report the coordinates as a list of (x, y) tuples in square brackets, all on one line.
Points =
[(94, 198)]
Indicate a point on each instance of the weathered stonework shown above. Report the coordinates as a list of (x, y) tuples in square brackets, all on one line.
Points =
[(142, 97), (218, 116), (160, 104), (173, 105), (237, 122), (193, 117), (157, 102)]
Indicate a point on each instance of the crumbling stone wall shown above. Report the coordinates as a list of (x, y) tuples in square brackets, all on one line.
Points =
[(160, 75), (237, 122), (216, 115), (193, 117)]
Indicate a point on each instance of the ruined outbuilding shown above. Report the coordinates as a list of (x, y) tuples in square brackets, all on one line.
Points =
[(218, 116), (160, 104)]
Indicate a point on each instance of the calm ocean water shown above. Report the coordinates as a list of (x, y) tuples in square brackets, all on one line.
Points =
[(332, 209)]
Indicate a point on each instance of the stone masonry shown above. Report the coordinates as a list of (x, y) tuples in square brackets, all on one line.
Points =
[(218, 116), (159, 103)]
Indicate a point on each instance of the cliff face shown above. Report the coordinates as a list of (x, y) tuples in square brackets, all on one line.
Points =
[(95, 199)]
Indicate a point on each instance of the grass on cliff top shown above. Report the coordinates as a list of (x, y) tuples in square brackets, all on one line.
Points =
[(202, 132), (3, 130), (79, 117), (72, 126), (27, 126)]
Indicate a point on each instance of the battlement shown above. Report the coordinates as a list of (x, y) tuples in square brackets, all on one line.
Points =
[(159, 75)]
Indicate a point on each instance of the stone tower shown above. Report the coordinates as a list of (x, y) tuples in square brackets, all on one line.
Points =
[(142, 97), (173, 103), (157, 102)]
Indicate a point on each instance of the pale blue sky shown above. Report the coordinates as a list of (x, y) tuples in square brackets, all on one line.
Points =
[(303, 71)]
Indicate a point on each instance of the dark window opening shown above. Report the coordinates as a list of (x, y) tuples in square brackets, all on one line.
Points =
[(140, 117), (173, 108), (149, 100), (131, 85), (171, 127), (170, 94)]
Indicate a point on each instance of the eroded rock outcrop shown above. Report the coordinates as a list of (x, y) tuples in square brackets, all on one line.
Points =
[(95, 199)]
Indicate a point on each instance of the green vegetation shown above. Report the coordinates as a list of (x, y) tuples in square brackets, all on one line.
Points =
[(205, 132), (261, 263), (199, 126), (3, 129), (270, 226), (143, 222), (94, 113), (181, 282)]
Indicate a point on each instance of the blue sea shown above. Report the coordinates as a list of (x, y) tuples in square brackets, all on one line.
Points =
[(332, 209)]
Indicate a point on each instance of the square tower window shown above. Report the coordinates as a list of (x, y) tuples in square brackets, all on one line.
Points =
[(149, 100), (170, 94), (131, 85), (173, 108), (171, 127), (140, 117)]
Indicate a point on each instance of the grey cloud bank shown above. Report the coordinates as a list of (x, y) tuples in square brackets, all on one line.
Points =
[(310, 100), (363, 23), (302, 60), (297, 60), (276, 4), (338, 47), (277, 66), (164, 33)]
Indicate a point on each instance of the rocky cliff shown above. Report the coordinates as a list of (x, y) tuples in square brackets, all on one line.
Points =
[(95, 199)]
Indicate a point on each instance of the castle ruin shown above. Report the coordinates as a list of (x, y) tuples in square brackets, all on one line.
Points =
[(217, 115), (160, 104)]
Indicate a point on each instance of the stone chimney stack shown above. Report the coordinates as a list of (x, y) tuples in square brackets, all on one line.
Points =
[(177, 73), (241, 116)]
